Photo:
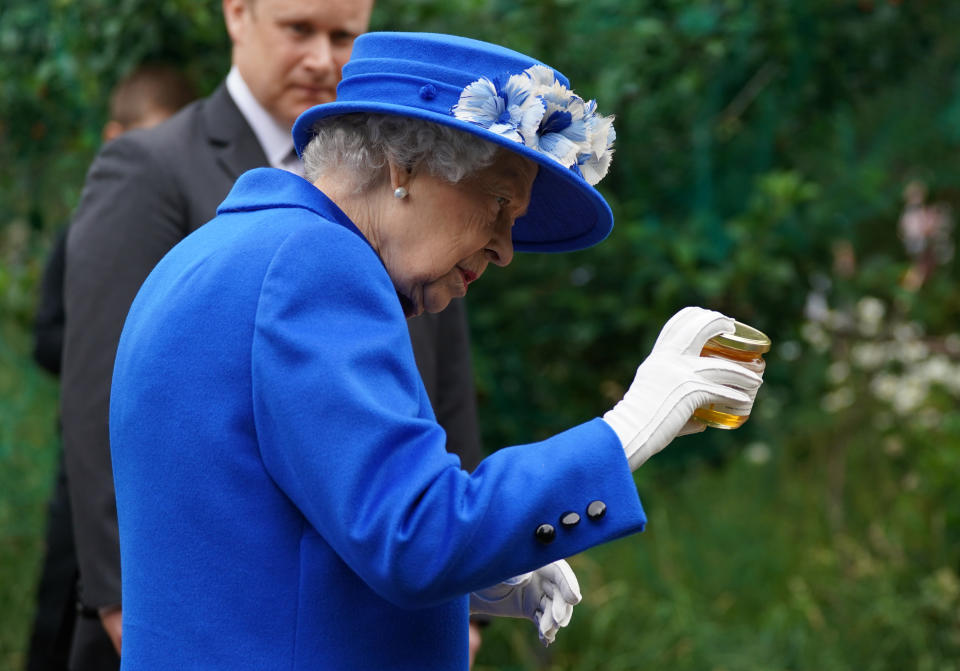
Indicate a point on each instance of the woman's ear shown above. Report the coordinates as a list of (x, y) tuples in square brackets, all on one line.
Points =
[(399, 175)]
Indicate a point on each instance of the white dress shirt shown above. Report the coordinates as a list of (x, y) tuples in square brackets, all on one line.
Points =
[(275, 138)]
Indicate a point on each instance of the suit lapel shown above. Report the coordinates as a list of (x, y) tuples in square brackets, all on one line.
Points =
[(230, 137)]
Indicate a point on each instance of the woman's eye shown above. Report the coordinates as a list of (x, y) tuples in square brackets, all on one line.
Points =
[(501, 201)]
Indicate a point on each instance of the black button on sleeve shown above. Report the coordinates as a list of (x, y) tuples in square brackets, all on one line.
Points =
[(596, 510), (545, 533), (569, 520)]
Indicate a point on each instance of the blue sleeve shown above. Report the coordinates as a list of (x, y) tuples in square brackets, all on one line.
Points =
[(342, 430)]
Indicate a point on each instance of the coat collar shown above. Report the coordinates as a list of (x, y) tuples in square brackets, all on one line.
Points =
[(271, 188)]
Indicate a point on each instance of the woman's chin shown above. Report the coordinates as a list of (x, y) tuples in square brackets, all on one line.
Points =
[(432, 305), (432, 298), (435, 304)]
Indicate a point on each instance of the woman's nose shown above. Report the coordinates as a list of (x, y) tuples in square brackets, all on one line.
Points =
[(500, 248)]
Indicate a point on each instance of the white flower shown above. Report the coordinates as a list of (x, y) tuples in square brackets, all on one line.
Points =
[(562, 133), (534, 108), (937, 369), (870, 312), (913, 351), (868, 355), (839, 320), (909, 395), (540, 76), (953, 381), (508, 110), (952, 343), (907, 332), (838, 372), (595, 162), (884, 386), (816, 309)]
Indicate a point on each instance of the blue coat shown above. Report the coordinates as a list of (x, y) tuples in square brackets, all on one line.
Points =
[(285, 499)]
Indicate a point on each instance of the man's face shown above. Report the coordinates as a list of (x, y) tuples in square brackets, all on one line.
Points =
[(291, 52)]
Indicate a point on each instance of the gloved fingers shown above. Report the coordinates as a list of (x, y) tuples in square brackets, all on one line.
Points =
[(557, 616), (546, 627), (714, 393), (563, 590), (555, 603), (565, 580), (543, 618), (692, 426), (678, 324), (689, 329), (729, 396), (537, 616), (728, 373), (562, 612)]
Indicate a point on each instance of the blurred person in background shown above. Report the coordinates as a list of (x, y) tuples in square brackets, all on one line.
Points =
[(149, 189), (926, 230), (148, 95)]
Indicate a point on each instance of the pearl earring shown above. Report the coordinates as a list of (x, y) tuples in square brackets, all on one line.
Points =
[(400, 193)]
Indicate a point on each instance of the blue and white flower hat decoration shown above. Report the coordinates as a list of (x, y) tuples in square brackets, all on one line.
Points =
[(502, 96)]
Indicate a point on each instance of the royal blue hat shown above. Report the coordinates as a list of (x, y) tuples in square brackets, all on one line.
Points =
[(503, 97)]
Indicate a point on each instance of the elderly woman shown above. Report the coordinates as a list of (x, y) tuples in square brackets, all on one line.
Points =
[(284, 495)]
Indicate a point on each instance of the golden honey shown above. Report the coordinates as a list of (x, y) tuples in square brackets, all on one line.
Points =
[(745, 346)]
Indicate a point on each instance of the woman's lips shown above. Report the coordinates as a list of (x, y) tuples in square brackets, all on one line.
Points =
[(468, 276)]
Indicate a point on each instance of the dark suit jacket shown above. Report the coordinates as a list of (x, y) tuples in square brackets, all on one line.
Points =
[(145, 192), (49, 320)]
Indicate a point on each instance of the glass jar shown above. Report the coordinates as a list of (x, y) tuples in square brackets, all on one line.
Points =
[(745, 346)]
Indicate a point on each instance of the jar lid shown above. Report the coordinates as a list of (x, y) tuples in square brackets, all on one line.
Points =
[(744, 338)]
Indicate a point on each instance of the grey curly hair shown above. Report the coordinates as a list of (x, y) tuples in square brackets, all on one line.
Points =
[(364, 143)]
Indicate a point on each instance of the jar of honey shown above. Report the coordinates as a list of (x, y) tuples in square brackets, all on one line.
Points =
[(745, 346)]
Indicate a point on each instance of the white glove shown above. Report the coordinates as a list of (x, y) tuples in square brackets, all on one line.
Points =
[(674, 381), (545, 596)]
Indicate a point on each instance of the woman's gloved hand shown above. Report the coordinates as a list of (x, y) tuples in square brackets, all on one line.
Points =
[(674, 381), (545, 596)]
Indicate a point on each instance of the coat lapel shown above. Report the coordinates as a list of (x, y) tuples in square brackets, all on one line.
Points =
[(231, 138)]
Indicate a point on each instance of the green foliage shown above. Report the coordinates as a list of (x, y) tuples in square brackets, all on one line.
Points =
[(58, 62), (763, 150), (28, 444)]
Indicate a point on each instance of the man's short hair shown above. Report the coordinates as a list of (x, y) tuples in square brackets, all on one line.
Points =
[(150, 87)]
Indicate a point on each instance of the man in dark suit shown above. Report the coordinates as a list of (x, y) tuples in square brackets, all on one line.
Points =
[(147, 190)]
